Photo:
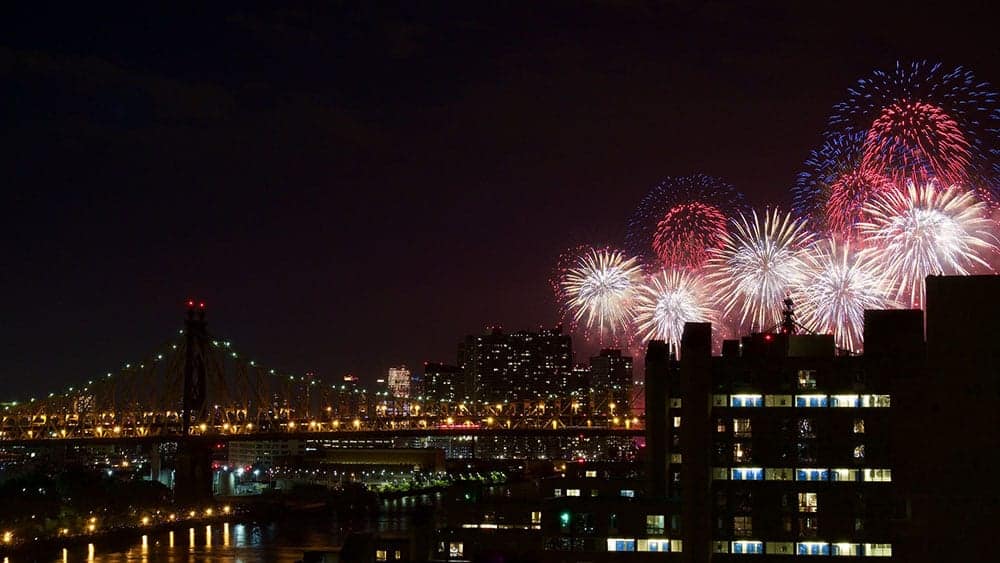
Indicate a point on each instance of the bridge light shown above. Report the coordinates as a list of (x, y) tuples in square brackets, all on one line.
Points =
[(615, 420), (203, 427), (8, 537), (450, 421), (249, 426), (145, 520), (225, 509), (357, 423), (208, 512), (117, 429), (489, 420)]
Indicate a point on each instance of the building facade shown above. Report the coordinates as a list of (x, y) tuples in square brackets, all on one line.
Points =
[(398, 382)]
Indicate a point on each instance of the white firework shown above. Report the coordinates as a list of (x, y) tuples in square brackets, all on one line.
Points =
[(667, 301), (598, 288)]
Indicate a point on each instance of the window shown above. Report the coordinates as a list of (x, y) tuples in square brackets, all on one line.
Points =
[(590, 473), (810, 400), (720, 547), (812, 548), (536, 517), (398, 554), (807, 379), (806, 428), (844, 475), (572, 492), (778, 401), (741, 427), (878, 475), (780, 547), (557, 492), (741, 452), (456, 549), (675, 403), (812, 475), (677, 422), (878, 549), (748, 547), (381, 555), (627, 493), (808, 526), (675, 458), (859, 452), (661, 546), (720, 400), (859, 426), (720, 425), (845, 401), (613, 521), (742, 526), (875, 401), (747, 474), (746, 401), (621, 544), (778, 474), (655, 524), (808, 502), (845, 549), (595, 493), (720, 473)]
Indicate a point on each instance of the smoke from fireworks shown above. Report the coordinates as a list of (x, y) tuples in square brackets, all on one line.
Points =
[(920, 120), (597, 288), (681, 219), (837, 286), (668, 300), (758, 264), (923, 230)]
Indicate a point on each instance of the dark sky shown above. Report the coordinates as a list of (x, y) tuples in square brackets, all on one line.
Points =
[(356, 187)]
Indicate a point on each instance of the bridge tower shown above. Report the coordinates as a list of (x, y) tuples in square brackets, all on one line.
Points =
[(193, 472)]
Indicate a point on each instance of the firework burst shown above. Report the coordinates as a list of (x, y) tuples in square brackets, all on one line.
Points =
[(668, 300), (757, 266), (923, 230), (922, 120), (682, 219), (836, 287), (597, 288)]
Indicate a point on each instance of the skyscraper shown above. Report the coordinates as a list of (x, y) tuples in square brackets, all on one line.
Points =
[(519, 366), (443, 382), (399, 382), (611, 381)]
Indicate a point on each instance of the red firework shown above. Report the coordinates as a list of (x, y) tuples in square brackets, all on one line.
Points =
[(910, 137), (686, 234), (848, 194)]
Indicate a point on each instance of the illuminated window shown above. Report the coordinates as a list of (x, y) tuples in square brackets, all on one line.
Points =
[(746, 401), (748, 547), (675, 458), (859, 452), (720, 547), (677, 422), (741, 452), (878, 475), (780, 547), (720, 473), (557, 492), (621, 544), (660, 546), (859, 426), (741, 427), (812, 475), (875, 401), (590, 473), (778, 401), (845, 549), (778, 474), (807, 379), (398, 554), (742, 526), (595, 492), (812, 548), (810, 400), (675, 403), (843, 474), (844, 401), (676, 546), (627, 493), (878, 549), (381, 555), (808, 526), (720, 425), (655, 524), (808, 502), (456, 549), (536, 517), (720, 400), (747, 474), (572, 492)]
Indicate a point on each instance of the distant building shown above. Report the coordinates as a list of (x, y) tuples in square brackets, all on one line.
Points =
[(398, 382), (518, 366), (442, 382), (611, 381)]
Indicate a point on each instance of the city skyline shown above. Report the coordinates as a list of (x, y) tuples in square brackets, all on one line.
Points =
[(144, 176)]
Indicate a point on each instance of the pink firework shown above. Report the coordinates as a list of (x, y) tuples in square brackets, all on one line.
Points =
[(687, 233), (912, 136), (848, 194)]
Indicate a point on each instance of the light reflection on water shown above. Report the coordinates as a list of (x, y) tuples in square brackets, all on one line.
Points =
[(248, 542)]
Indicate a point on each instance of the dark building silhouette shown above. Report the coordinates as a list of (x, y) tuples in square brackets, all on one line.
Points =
[(611, 381), (442, 382), (523, 365)]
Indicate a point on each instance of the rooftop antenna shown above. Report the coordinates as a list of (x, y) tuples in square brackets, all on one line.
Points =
[(788, 324)]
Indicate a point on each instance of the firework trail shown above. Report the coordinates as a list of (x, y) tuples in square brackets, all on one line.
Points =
[(668, 300), (836, 287), (597, 288), (923, 230), (759, 263), (682, 219)]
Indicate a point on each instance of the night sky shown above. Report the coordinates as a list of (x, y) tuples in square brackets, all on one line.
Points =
[(358, 187)]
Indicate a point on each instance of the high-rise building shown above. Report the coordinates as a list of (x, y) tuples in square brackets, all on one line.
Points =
[(398, 382), (611, 381), (517, 366), (443, 382)]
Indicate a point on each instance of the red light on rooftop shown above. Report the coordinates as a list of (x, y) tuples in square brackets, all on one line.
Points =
[(767, 337), (190, 302), (201, 305)]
